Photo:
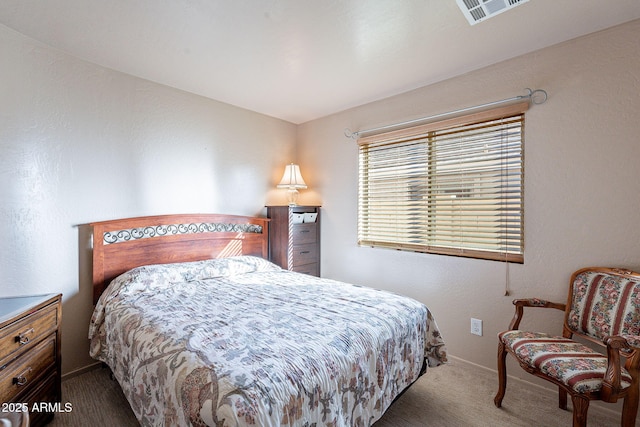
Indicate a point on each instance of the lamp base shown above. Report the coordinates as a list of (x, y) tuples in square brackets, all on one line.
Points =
[(292, 196)]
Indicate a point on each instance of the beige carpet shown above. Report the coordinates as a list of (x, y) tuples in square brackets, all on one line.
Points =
[(457, 395)]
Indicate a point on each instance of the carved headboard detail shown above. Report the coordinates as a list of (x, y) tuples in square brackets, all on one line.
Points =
[(122, 244)]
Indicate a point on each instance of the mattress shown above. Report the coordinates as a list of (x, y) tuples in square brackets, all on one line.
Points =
[(241, 342)]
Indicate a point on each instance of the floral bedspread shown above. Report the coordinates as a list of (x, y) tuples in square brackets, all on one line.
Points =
[(241, 342)]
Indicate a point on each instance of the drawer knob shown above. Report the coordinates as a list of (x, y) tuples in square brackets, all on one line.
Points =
[(22, 379), (304, 231), (23, 338), (304, 252)]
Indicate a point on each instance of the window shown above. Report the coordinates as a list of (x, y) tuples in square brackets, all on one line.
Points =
[(451, 187)]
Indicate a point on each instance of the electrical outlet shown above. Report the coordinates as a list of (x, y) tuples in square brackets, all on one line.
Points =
[(476, 327)]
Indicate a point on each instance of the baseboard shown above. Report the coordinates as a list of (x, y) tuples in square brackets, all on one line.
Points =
[(81, 371)]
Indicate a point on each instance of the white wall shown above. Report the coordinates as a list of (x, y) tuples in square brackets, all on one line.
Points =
[(582, 185), (81, 143)]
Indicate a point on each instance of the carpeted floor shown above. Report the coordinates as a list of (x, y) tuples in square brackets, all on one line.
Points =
[(457, 394)]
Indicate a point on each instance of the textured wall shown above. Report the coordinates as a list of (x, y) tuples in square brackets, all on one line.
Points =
[(81, 143), (582, 185)]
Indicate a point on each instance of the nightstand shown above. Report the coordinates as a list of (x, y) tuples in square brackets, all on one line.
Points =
[(30, 355), (294, 238)]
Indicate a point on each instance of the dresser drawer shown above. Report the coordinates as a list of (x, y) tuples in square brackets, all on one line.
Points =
[(304, 254), (312, 269), (304, 233), (45, 392), (27, 331), (19, 376)]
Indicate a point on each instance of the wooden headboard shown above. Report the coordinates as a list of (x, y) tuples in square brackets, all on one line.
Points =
[(122, 244)]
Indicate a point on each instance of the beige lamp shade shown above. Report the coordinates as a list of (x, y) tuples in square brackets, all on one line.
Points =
[(292, 180)]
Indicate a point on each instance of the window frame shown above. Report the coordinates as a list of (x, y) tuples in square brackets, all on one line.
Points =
[(416, 135)]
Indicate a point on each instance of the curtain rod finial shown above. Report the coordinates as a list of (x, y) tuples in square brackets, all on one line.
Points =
[(349, 134), (537, 96)]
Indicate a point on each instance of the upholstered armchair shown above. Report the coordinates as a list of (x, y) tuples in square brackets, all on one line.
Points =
[(602, 312)]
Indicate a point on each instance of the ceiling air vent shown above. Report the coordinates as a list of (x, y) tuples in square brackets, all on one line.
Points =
[(478, 10)]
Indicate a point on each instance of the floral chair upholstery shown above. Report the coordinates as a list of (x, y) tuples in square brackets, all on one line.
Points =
[(603, 307)]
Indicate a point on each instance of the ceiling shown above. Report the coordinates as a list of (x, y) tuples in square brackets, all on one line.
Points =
[(298, 60)]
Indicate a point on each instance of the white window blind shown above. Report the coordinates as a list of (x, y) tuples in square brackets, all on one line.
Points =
[(452, 187)]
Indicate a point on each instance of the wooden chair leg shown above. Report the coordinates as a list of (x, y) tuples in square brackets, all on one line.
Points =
[(502, 374), (630, 408), (580, 408), (562, 398)]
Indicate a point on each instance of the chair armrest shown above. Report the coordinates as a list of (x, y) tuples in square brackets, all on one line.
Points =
[(531, 302), (632, 340), (627, 345)]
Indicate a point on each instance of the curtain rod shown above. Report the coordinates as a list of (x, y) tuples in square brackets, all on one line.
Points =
[(537, 96)]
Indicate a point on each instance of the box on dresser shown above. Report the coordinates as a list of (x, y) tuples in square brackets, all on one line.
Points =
[(294, 238), (30, 356)]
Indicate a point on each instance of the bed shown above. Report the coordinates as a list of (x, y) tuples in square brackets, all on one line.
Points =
[(200, 329)]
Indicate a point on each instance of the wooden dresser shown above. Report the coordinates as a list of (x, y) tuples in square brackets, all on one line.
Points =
[(295, 245), (30, 355)]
